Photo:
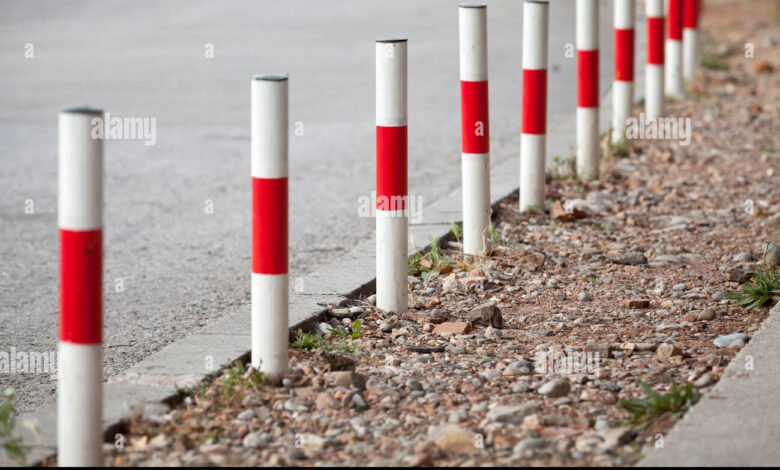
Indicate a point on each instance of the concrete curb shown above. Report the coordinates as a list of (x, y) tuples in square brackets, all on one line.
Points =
[(735, 423), (204, 354)]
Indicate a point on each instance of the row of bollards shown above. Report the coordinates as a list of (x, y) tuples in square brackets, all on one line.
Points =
[(81, 181)]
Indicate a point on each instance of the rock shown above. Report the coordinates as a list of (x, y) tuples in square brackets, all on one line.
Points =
[(726, 340), (602, 349), (492, 333), (707, 314), (744, 257), (346, 378), (518, 368), (487, 314), (426, 349), (568, 212), (704, 381), (341, 313), (451, 284), (452, 438), (555, 388), (614, 437), (386, 326), (325, 328), (629, 259), (740, 276), (253, 440), (666, 351), (636, 303), (246, 415), (371, 299), (512, 414), (452, 327), (772, 256), (584, 297), (644, 347), (527, 446)]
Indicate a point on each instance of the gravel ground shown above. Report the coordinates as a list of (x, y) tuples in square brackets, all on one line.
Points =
[(633, 270)]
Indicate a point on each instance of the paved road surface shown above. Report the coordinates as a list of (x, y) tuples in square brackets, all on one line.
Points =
[(179, 266)]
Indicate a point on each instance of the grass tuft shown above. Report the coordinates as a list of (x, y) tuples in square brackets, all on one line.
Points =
[(10, 443), (762, 288), (675, 402)]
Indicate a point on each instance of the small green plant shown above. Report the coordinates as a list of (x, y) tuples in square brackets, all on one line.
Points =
[(433, 261), (457, 231), (10, 443), (307, 341), (675, 402), (495, 236), (234, 379), (763, 287), (352, 333), (712, 62), (621, 149)]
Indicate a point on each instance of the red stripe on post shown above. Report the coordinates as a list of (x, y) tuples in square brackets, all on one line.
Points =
[(535, 102), (269, 225), (391, 161), (675, 19), (81, 286), (475, 128), (588, 79), (691, 14), (655, 41), (624, 55)]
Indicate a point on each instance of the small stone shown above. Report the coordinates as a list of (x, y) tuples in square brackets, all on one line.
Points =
[(426, 349), (512, 414), (487, 314), (555, 388), (772, 256), (614, 437), (645, 347), (342, 313), (726, 340), (636, 303), (740, 276), (452, 438), (492, 333), (527, 446), (325, 328), (371, 299), (253, 440), (633, 258), (246, 415), (665, 352), (704, 381), (602, 349), (452, 327), (451, 284), (346, 378), (707, 314), (584, 297), (744, 257), (567, 212)]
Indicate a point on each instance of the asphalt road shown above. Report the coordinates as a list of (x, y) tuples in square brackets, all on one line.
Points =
[(177, 266)]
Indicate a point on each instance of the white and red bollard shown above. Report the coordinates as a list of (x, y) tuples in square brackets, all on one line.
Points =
[(391, 176), (475, 128), (270, 328), (654, 70), (624, 18), (533, 139), (80, 368), (674, 50), (588, 89), (691, 11)]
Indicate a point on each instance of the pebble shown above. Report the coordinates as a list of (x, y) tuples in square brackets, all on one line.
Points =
[(727, 340), (584, 297), (512, 414), (707, 314), (555, 388), (253, 440)]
